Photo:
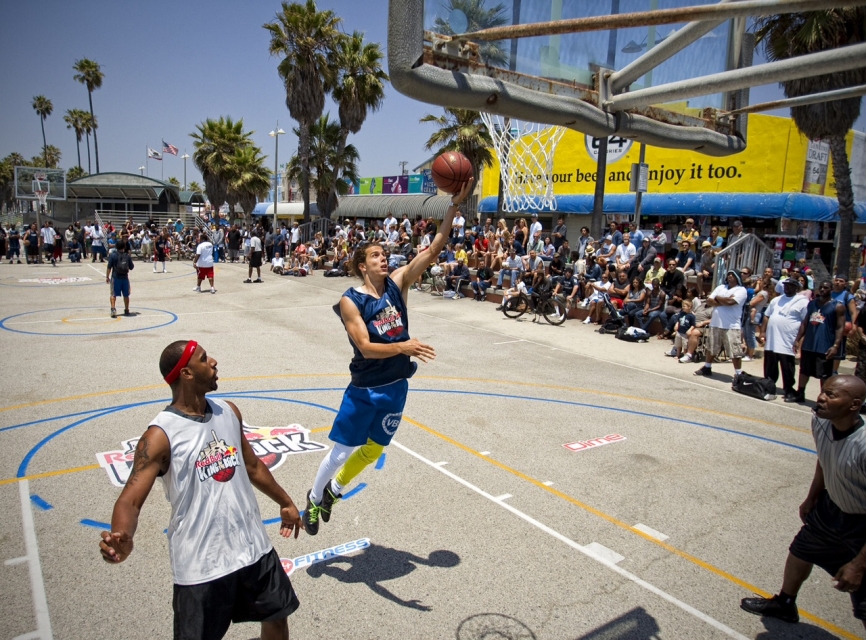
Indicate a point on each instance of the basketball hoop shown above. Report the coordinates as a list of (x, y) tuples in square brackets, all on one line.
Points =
[(42, 197), (525, 151), (41, 189)]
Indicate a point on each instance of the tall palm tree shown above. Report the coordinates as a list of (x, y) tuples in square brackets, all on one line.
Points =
[(333, 166), (216, 142), (7, 177), (359, 87), (796, 34), (464, 131), (50, 156), (477, 18), (249, 179), (174, 181), (306, 39), (74, 122), (74, 173), (43, 108), (89, 74), (88, 123), (195, 187)]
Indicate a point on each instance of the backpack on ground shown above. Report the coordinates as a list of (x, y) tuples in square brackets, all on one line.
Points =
[(333, 273), (122, 268), (755, 387), (632, 334)]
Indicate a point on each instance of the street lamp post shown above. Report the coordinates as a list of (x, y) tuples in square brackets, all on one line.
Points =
[(275, 134), (185, 157), (141, 169)]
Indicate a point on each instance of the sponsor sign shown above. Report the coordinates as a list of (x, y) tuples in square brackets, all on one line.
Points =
[(370, 186), (54, 280), (272, 445), (395, 185), (815, 173), (583, 445), (617, 148), (290, 564)]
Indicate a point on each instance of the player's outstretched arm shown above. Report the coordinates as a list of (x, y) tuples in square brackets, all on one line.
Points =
[(152, 456), (263, 480), (405, 276)]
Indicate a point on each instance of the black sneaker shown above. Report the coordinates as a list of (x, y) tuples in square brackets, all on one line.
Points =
[(126, 312), (790, 397), (500, 307), (329, 498), (772, 607), (311, 517), (704, 371), (483, 298)]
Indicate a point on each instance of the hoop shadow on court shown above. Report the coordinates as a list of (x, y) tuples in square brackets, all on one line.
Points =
[(377, 564)]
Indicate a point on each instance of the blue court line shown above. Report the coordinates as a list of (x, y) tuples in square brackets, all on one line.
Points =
[(75, 335), (360, 487), (32, 422), (39, 502), (96, 524), (381, 461)]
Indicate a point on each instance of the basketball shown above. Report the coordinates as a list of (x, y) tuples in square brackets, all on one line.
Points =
[(450, 170)]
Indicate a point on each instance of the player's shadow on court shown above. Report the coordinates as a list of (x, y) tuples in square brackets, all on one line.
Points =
[(378, 564), (802, 631), (636, 624)]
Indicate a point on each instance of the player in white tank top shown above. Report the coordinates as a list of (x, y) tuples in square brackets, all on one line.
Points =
[(217, 543)]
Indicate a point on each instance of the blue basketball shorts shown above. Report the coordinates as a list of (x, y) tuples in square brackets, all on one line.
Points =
[(120, 287), (373, 413)]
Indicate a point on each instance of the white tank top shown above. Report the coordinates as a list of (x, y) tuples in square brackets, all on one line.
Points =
[(215, 526)]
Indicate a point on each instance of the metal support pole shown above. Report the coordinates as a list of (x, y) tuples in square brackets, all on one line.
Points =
[(638, 197), (814, 98), (276, 177), (812, 64), (598, 199)]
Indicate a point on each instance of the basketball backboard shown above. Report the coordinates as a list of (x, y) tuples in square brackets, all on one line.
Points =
[(30, 180), (668, 73)]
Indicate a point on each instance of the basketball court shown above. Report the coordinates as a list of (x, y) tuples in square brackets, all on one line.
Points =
[(546, 482)]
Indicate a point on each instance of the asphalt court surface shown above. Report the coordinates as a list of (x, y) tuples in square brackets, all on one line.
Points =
[(477, 521)]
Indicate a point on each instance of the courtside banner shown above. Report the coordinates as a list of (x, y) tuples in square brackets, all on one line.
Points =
[(290, 564), (583, 445)]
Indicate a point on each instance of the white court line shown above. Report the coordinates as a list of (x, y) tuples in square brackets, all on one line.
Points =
[(658, 535), (604, 552), (37, 584), (102, 273), (584, 550), (11, 562), (504, 496), (547, 483), (509, 342)]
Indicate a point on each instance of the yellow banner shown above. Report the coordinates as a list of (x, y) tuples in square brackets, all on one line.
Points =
[(775, 161)]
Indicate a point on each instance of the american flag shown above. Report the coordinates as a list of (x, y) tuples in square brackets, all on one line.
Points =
[(169, 148), (153, 154)]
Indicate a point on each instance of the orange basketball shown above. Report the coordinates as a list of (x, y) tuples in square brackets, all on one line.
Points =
[(450, 170)]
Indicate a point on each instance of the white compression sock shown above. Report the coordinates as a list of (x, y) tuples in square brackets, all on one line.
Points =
[(328, 469)]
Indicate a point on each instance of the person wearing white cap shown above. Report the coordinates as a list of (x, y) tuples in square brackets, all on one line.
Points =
[(707, 264), (534, 228)]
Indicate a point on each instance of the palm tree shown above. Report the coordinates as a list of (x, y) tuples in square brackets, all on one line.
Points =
[(43, 108), (331, 163), (73, 121), (75, 173), (464, 131), (358, 89), (306, 39), (88, 123), (50, 156), (195, 187), (7, 177), (478, 18), (796, 34), (216, 142), (174, 181), (89, 74), (249, 179)]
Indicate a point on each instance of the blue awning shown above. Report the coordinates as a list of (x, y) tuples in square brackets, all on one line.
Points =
[(797, 206)]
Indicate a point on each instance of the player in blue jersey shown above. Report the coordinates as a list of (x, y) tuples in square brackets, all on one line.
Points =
[(376, 320)]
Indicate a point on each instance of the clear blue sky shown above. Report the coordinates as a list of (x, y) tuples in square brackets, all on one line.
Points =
[(170, 65)]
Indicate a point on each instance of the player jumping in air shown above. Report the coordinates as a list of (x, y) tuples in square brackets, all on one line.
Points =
[(376, 320)]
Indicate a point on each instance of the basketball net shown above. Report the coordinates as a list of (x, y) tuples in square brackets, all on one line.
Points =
[(42, 197), (525, 151)]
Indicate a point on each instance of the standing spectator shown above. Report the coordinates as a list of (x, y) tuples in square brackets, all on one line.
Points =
[(535, 229), (833, 535), (14, 245), (68, 235), (458, 228), (842, 294), (615, 234), (203, 263), (97, 243), (31, 244), (3, 234), (483, 281), (117, 276), (688, 234), (57, 255), (146, 244), (294, 240), (659, 239), (560, 232), (860, 369), (782, 321), (48, 235), (725, 326), (736, 233), (160, 246), (820, 338), (704, 270), (583, 242), (234, 243), (256, 256), (219, 244)]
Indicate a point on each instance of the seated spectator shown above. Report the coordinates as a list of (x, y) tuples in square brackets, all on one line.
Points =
[(703, 315), (316, 260), (548, 251), (619, 289), (625, 253), (555, 268), (607, 249), (596, 299), (634, 301), (685, 320), (533, 264), (447, 258), (458, 273), (568, 257), (707, 264), (483, 281), (567, 286), (655, 272), (686, 259), (643, 260), (672, 279), (482, 251), (74, 251), (513, 265), (513, 292), (278, 265), (673, 305), (654, 307), (395, 260), (659, 238), (536, 243)]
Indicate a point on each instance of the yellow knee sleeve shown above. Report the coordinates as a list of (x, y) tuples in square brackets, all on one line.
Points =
[(355, 463)]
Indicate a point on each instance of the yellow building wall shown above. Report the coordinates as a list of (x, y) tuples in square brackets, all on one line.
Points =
[(774, 162)]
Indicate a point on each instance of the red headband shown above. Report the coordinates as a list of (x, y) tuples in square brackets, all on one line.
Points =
[(188, 350)]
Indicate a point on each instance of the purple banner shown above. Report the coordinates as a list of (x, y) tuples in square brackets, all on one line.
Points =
[(392, 185)]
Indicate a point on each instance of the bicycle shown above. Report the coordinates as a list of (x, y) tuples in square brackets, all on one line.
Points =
[(432, 281), (543, 302)]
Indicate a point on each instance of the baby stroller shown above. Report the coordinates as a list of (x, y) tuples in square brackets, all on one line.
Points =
[(614, 320)]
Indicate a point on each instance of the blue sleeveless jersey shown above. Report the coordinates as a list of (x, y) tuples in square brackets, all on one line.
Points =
[(387, 321)]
